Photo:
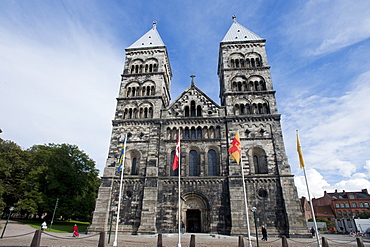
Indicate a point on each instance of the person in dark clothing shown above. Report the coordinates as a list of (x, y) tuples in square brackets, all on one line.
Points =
[(264, 233), (313, 231)]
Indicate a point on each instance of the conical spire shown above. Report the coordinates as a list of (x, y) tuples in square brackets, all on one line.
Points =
[(239, 33), (150, 39)]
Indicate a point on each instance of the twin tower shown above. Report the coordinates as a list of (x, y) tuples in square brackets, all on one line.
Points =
[(211, 184)]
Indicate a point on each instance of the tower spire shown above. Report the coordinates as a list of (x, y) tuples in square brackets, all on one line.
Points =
[(154, 25), (234, 18)]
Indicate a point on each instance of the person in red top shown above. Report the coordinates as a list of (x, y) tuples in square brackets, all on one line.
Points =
[(75, 231)]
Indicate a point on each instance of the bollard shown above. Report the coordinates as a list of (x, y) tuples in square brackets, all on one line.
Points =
[(36, 239), (324, 242), (241, 241), (359, 242), (192, 240), (101, 239), (159, 242), (284, 242)]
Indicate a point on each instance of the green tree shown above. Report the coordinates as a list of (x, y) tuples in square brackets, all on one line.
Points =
[(63, 171), (365, 215), (33, 179), (13, 168)]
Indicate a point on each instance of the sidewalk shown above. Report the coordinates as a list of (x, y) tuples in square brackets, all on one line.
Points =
[(169, 240)]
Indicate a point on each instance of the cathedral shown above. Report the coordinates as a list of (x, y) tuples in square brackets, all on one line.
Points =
[(211, 185)]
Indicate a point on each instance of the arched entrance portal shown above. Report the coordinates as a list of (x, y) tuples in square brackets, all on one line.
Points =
[(195, 213)]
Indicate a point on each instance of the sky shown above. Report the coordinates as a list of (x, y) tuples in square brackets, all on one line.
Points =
[(61, 61)]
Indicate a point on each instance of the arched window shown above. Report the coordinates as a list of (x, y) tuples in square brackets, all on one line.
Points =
[(193, 163), (175, 172), (259, 161), (199, 111), (242, 109), (192, 108), (212, 163), (232, 63), (186, 111), (134, 167), (187, 133), (199, 133), (193, 133)]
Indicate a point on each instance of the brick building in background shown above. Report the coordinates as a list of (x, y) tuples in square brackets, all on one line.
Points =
[(341, 208)]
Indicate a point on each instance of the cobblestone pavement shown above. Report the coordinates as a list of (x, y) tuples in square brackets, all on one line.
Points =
[(25, 235)]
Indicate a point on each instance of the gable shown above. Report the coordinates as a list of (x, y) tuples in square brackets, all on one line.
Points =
[(193, 103)]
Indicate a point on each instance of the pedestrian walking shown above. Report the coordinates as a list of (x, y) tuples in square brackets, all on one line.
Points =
[(44, 226), (264, 233), (75, 231)]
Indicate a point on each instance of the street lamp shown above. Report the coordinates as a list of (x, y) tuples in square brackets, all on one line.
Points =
[(112, 209), (6, 223), (254, 209)]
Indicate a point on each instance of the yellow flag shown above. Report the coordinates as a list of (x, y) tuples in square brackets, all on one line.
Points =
[(235, 150), (299, 150)]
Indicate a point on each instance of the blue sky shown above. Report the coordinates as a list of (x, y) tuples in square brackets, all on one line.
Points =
[(60, 65)]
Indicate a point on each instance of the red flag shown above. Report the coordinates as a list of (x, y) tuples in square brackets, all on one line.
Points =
[(175, 163), (235, 150)]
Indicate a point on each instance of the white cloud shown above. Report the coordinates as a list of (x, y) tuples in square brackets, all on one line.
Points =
[(324, 27), (367, 167), (316, 184), (357, 182), (334, 131)]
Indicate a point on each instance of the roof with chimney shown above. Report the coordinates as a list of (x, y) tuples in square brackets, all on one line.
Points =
[(345, 194)]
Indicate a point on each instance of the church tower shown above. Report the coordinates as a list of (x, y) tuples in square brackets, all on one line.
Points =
[(247, 94), (211, 184), (143, 93)]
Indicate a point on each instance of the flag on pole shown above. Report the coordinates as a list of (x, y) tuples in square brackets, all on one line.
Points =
[(175, 163), (122, 155), (299, 150), (235, 150)]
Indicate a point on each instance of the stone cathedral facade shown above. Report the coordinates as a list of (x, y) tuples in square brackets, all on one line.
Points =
[(211, 184)]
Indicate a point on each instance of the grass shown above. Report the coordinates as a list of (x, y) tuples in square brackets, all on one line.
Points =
[(58, 226)]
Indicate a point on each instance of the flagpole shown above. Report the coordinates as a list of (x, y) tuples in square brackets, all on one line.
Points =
[(302, 165), (120, 191), (246, 204), (179, 202), (312, 211)]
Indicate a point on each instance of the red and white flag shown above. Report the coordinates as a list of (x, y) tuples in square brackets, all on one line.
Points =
[(175, 163)]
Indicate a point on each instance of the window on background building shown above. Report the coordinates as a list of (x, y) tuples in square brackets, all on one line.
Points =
[(339, 214), (342, 205), (347, 205), (357, 213), (344, 214), (350, 214), (351, 197), (354, 205), (366, 204), (361, 205), (193, 163), (337, 205)]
